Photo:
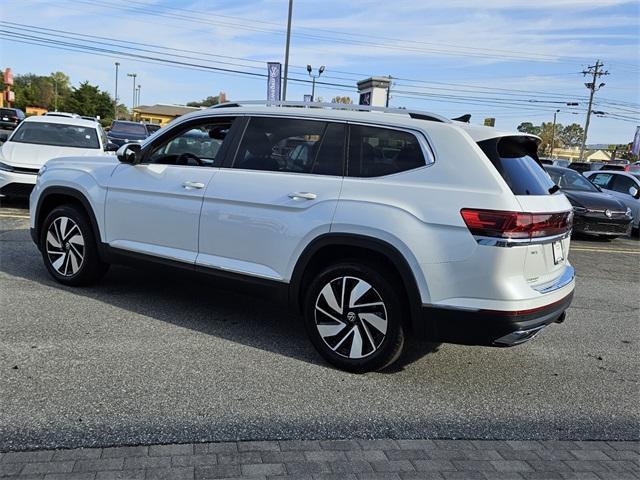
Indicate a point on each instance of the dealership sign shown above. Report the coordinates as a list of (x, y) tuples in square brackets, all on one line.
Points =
[(274, 70)]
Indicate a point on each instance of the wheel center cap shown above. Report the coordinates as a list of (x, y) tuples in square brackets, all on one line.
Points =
[(351, 316)]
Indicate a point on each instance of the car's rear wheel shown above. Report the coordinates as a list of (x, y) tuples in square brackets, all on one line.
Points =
[(69, 248), (353, 316)]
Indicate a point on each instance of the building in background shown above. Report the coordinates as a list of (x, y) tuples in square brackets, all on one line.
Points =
[(160, 113), (29, 111)]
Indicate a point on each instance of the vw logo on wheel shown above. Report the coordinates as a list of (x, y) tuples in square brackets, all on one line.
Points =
[(608, 213), (351, 316)]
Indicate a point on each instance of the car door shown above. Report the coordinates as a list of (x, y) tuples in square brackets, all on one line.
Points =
[(153, 207), (259, 213)]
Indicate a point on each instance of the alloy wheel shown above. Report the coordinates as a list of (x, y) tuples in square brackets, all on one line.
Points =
[(351, 317), (65, 246)]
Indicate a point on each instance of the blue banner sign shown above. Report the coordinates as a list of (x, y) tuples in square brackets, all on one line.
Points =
[(274, 71)]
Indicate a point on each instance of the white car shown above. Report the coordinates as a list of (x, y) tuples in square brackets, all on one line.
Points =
[(625, 186), (38, 140), (392, 226)]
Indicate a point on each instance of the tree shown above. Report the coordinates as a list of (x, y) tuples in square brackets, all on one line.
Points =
[(528, 127), (571, 135), (89, 100), (207, 102), (339, 99)]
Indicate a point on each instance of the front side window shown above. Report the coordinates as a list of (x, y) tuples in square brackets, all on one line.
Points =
[(198, 145), (56, 134), (291, 145), (602, 180), (374, 152)]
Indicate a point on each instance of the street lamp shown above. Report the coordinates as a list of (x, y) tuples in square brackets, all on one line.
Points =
[(138, 99), (553, 132), (134, 75), (313, 87), (115, 100)]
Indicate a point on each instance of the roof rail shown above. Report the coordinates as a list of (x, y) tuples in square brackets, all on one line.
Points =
[(338, 106)]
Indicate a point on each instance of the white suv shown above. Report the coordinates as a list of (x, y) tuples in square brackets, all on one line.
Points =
[(379, 227)]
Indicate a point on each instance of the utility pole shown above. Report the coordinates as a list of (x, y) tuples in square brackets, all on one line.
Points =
[(388, 92), (286, 53), (115, 100), (596, 72), (553, 132)]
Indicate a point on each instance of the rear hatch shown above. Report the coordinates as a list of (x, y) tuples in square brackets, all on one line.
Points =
[(515, 158)]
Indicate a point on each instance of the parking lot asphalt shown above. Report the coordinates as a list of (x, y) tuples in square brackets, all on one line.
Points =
[(148, 358)]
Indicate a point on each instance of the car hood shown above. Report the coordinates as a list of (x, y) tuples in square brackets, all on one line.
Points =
[(594, 200), (30, 155)]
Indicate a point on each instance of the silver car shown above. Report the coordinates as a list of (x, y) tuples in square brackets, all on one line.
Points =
[(625, 186)]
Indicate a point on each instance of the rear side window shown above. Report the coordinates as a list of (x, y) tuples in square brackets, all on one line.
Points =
[(622, 184), (374, 152), (515, 158), (292, 145)]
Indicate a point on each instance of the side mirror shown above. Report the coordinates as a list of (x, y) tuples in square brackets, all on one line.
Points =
[(111, 147), (129, 153), (4, 137), (634, 192)]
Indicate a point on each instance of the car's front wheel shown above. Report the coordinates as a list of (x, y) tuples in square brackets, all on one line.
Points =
[(353, 316), (69, 248)]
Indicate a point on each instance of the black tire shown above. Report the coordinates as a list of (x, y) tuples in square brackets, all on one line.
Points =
[(71, 263), (377, 349)]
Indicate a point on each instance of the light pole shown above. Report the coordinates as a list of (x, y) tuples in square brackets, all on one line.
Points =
[(138, 99), (313, 85), (133, 102), (115, 100), (286, 53), (553, 132)]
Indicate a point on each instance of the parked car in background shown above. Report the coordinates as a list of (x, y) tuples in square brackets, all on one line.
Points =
[(595, 212), (625, 186), (617, 167), (10, 118), (123, 131), (41, 138), (367, 227), (634, 168), (581, 166)]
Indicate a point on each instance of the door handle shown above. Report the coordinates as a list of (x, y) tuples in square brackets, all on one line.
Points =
[(302, 196), (192, 185)]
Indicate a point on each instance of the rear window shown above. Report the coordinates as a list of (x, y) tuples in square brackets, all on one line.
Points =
[(8, 112), (129, 128), (515, 158)]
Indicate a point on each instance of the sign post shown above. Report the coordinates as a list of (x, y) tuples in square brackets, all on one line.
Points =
[(274, 73)]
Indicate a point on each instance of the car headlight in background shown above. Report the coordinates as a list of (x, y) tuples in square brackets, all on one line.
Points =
[(43, 169), (628, 213), (580, 209)]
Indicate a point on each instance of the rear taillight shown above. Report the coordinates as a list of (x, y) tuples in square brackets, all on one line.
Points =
[(516, 225)]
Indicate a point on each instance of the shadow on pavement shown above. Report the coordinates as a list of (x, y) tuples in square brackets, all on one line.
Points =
[(193, 301)]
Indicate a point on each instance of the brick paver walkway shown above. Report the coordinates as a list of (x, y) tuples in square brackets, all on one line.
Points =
[(335, 459)]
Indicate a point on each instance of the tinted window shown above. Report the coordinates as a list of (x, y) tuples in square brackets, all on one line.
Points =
[(199, 145), (56, 134), (374, 152), (152, 128), (570, 180), (601, 179), (622, 184), (288, 145), (8, 112), (128, 128), (515, 159)]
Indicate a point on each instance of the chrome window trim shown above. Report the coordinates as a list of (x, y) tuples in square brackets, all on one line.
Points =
[(516, 242)]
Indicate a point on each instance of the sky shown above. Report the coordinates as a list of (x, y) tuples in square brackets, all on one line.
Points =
[(512, 60)]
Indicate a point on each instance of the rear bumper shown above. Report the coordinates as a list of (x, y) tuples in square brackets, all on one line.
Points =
[(491, 328)]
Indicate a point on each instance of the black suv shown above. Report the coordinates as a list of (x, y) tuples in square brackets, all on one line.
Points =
[(122, 132), (10, 117)]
